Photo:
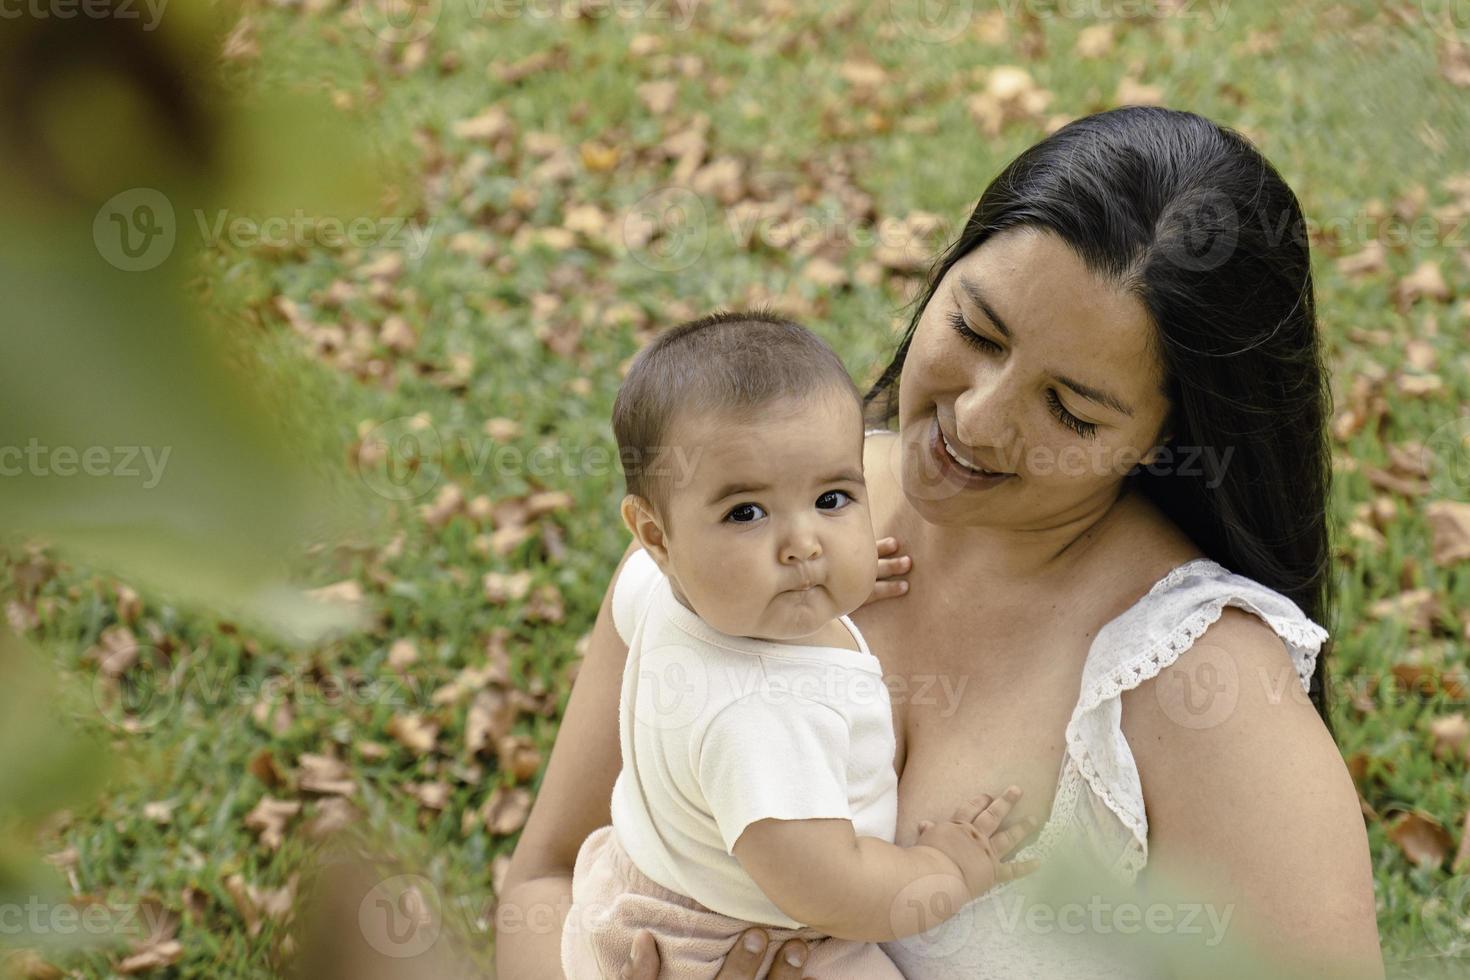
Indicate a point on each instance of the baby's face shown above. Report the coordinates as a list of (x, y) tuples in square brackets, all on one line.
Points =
[(770, 535)]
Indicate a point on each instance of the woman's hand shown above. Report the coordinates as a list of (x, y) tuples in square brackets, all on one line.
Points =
[(743, 963), (891, 568)]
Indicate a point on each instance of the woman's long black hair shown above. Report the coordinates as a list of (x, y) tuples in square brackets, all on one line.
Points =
[(1190, 218)]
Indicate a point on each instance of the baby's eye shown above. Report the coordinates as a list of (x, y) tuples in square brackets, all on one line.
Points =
[(833, 500), (745, 513)]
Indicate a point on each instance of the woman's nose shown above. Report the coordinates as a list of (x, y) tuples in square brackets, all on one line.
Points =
[(983, 415)]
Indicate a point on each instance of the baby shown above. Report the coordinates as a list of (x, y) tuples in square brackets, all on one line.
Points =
[(757, 741)]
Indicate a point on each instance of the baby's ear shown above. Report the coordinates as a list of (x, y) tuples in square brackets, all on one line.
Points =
[(639, 518)]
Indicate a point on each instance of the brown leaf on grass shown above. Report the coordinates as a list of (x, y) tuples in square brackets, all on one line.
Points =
[(240, 44), (160, 812), (546, 605), (1095, 41), (272, 716), (1454, 62), (448, 502), (346, 591), (1010, 95), (1461, 863), (1417, 608), (501, 588), (825, 273), (518, 755), (1421, 838), (129, 604), (1370, 260), (330, 815), (1133, 92), (396, 335), (1405, 486), (488, 720), (547, 502), (27, 964), (659, 96), (324, 774), (263, 767), (154, 957), (269, 819), (402, 654), (1451, 735), (597, 157), (1449, 529), (433, 796), (116, 651), (487, 127), (506, 810), (259, 905), (413, 733), (1425, 282)]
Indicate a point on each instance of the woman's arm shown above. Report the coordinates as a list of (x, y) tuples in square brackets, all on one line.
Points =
[(574, 799), (1250, 807)]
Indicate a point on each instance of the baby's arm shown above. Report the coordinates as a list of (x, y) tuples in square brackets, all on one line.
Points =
[(820, 873)]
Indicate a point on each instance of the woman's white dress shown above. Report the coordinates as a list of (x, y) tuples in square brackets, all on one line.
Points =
[(1098, 816)]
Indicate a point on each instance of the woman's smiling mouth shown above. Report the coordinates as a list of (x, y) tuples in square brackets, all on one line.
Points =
[(954, 465)]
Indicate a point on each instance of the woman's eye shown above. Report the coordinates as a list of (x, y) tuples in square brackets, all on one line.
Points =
[(1068, 419), (745, 513), (957, 320), (834, 500)]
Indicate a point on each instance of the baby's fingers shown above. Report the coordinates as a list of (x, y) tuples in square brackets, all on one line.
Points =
[(889, 567), (887, 546), (1011, 870), (1006, 840), (990, 818)]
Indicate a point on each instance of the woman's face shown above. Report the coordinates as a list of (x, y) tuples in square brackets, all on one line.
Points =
[(1026, 363)]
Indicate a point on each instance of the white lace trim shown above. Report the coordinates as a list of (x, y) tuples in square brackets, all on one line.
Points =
[(1303, 639)]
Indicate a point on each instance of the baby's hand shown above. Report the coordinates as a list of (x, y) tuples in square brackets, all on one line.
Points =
[(891, 568), (973, 840)]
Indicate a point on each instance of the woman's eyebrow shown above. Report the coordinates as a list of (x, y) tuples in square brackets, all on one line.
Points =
[(977, 296)]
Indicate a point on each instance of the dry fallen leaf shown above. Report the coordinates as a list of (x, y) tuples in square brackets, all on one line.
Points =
[(1425, 282), (1421, 838), (659, 96), (487, 127), (269, 819), (413, 733), (154, 957), (1449, 528), (324, 774), (506, 810), (1451, 735), (501, 588)]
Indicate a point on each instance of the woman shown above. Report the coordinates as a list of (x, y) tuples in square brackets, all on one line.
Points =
[(1110, 474)]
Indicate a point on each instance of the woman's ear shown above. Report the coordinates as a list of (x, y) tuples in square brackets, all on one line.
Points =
[(640, 519)]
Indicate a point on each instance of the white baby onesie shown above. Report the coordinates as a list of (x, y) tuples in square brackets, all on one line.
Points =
[(720, 731)]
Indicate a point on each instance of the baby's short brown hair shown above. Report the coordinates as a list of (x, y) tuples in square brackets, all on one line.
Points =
[(732, 363)]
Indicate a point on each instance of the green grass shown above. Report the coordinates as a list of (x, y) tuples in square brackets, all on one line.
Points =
[(1342, 104)]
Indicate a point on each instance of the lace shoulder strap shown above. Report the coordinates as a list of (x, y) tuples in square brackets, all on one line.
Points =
[(1149, 636)]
